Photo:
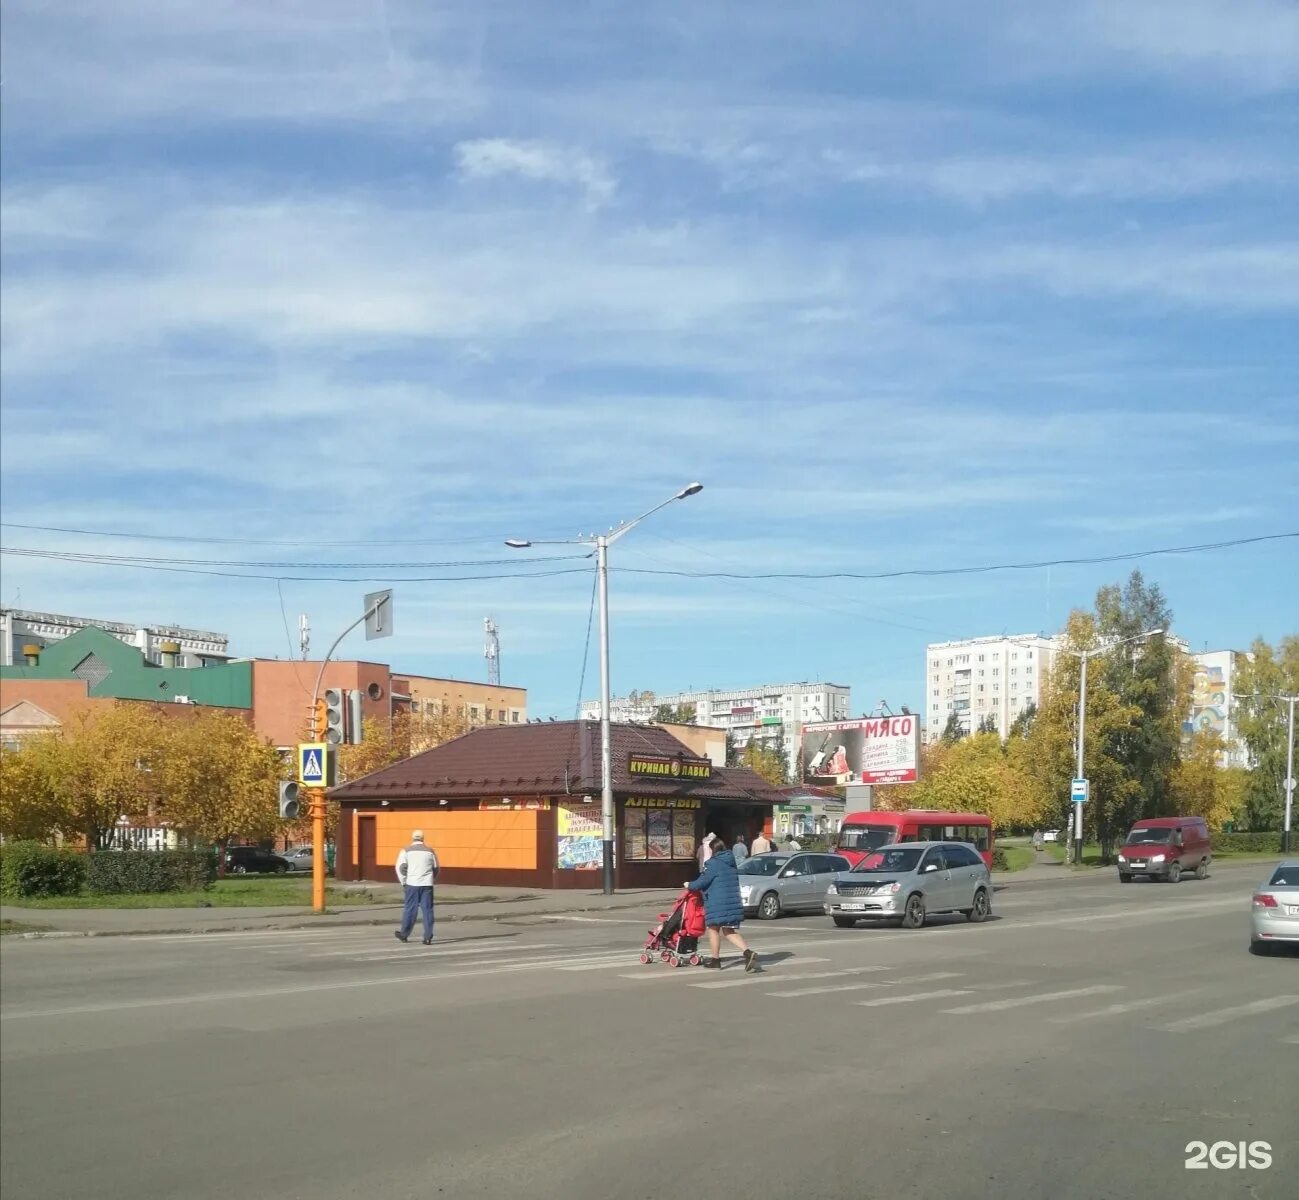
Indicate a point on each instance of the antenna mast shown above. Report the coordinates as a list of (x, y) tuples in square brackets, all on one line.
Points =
[(492, 651), (304, 636)]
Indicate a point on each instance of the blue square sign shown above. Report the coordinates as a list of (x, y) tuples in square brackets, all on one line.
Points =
[(1080, 791), (313, 764)]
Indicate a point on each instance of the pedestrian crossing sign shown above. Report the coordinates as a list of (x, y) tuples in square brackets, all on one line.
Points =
[(314, 763)]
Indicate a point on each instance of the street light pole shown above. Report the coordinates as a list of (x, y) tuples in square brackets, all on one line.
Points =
[(1289, 777), (602, 542), (1078, 773), (606, 733)]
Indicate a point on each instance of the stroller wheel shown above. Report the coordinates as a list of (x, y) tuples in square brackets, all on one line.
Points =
[(674, 961), (644, 957), (666, 956), (695, 960)]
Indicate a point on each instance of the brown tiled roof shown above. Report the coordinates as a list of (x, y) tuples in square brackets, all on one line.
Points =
[(547, 759)]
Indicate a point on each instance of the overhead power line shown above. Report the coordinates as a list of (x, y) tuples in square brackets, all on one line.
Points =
[(238, 541), (206, 567)]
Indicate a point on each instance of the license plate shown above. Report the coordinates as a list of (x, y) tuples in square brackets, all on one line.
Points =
[(1292, 910), (858, 906)]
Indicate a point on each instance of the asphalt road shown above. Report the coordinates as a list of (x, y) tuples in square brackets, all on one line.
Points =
[(1071, 1047)]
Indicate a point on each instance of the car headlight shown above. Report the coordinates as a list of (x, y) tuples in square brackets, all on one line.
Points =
[(888, 889), (832, 890), (745, 893), (1123, 858), (1157, 857)]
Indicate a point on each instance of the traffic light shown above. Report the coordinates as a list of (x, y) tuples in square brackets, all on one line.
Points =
[(355, 729), (335, 731), (318, 721), (289, 803)]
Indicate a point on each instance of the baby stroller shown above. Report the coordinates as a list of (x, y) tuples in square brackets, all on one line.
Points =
[(676, 938)]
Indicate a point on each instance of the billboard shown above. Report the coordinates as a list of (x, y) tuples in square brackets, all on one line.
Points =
[(868, 750)]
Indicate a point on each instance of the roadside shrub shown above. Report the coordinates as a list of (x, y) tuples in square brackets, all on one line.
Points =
[(999, 860), (116, 871), (29, 869), (1244, 843)]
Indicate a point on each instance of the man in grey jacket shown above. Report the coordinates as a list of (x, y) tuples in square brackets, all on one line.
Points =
[(417, 868)]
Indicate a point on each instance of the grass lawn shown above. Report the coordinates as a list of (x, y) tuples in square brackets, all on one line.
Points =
[(1092, 855), (1017, 857), (242, 892), (8, 926)]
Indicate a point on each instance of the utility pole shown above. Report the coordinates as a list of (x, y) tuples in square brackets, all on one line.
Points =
[(1289, 781)]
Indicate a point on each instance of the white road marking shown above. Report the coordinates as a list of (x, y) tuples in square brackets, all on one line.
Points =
[(764, 976), (1115, 1010), (1040, 998), (1223, 1015), (435, 951), (938, 995), (858, 987)]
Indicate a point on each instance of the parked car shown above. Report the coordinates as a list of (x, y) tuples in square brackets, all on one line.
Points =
[(1051, 835), (253, 860), (910, 882), (773, 884), (1274, 913), (1164, 847), (299, 858)]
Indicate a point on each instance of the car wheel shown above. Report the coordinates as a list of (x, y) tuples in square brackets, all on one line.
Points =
[(1125, 877), (1202, 869), (981, 907), (1174, 872), (1262, 949), (238, 869), (283, 869), (769, 907), (914, 915), (844, 922)]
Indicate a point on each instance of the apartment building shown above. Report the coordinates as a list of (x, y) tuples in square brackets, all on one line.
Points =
[(772, 714), (997, 677)]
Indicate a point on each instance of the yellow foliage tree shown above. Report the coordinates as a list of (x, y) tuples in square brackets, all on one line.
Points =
[(1200, 787), (978, 774), (29, 809), (220, 780), (102, 765)]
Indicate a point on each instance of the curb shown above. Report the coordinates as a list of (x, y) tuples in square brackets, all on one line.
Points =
[(313, 922)]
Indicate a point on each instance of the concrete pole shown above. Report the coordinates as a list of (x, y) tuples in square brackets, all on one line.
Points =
[(1289, 778)]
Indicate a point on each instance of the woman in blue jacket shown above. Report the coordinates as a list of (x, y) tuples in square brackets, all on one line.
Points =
[(723, 912)]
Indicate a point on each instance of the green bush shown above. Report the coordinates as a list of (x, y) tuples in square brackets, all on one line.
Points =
[(135, 871), (30, 869), (999, 860), (1246, 843)]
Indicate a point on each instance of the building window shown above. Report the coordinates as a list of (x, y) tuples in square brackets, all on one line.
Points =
[(514, 716), (980, 687), (995, 672)]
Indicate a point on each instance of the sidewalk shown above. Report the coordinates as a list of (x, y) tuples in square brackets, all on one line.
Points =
[(454, 903)]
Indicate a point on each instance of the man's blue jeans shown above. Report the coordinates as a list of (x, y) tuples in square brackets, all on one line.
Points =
[(418, 900)]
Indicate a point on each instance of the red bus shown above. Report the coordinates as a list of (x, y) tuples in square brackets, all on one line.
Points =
[(866, 831)]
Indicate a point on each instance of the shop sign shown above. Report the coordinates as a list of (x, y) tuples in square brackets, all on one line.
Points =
[(532, 804), (669, 766), (661, 802)]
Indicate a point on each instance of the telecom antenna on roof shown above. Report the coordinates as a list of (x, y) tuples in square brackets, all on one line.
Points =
[(492, 651), (304, 635)]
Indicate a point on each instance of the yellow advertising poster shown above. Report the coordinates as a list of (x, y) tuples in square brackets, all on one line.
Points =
[(579, 837)]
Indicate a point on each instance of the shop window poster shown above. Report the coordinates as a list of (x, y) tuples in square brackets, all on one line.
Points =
[(579, 843), (683, 835), (658, 834)]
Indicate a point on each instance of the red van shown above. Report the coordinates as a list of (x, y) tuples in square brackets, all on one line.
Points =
[(866, 831), (1165, 847)]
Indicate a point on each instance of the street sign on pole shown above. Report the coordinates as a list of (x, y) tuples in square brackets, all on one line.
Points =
[(1080, 791), (314, 763), (378, 615)]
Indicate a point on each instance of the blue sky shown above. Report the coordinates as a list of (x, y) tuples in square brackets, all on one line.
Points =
[(906, 286)]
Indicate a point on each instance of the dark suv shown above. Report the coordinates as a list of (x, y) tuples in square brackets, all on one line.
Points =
[(245, 860)]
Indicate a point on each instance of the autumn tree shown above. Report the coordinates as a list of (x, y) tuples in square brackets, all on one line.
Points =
[(674, 714), (1137, 693), (954, 730), (988, 724), (220, 780), (102, 765), (1202, 788), (29, 808), (982, 774), (767, 761), (1262, 721)]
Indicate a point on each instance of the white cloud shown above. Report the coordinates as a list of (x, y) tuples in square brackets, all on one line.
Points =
[(539, 162)]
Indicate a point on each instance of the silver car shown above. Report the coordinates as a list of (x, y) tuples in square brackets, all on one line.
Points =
[(773, 884), (1274, 913), (910, 882), (299, 858)]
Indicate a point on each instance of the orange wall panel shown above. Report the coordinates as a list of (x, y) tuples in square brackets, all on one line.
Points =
[(461, 837)]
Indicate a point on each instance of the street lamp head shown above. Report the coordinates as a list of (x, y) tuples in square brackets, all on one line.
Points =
[(517, 543), (1153, 633), (691, 489)]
